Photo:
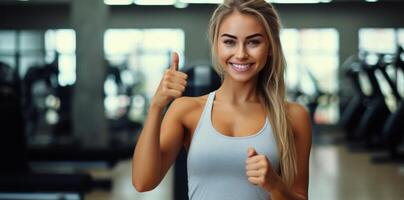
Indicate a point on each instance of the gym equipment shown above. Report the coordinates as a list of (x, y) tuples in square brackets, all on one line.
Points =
[(368, 108), (16, 177), (40, 83), (356, 106), (393, 132), (379, 124)]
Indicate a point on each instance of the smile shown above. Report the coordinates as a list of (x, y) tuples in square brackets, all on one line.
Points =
[(241, 67)]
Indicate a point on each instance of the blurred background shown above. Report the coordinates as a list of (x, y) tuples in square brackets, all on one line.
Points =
[(77, 76)]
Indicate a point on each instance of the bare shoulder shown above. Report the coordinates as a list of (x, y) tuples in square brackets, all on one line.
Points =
[(300, 119), (297, 111), (184, 106)]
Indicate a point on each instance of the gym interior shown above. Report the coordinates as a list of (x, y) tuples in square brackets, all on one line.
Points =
[(77, 77)]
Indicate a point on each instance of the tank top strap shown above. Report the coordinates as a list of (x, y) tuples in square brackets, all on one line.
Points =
[(208, 107), (210, 99), (205, 116)]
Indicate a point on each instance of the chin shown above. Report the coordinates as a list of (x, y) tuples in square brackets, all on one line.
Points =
[(242, 78)]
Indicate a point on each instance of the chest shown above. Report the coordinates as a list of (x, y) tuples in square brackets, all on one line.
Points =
[(232, 121), (211, 149), (215, 155)]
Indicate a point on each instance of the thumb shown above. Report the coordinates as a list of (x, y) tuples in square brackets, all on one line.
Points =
[(174, 61), (251, 152)]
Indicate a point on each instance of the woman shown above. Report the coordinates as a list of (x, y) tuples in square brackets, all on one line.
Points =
[(244, 141)]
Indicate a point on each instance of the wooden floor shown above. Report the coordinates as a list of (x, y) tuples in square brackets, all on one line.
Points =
[(335, 174)]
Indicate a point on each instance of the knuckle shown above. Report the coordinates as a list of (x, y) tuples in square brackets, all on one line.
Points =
[(261, 180), (165, 78), (167, 73)]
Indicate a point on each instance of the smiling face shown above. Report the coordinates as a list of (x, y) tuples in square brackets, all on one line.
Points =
[(242, 46)]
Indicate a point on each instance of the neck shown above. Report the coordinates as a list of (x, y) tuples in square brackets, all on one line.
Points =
[(238, 92)]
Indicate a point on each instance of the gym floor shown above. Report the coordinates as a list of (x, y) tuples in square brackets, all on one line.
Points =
[(335, 174)]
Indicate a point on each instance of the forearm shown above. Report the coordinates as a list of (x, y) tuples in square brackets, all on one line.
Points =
[(146, 163)]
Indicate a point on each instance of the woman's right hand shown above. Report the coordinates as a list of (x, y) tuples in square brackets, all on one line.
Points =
[(171, 86)]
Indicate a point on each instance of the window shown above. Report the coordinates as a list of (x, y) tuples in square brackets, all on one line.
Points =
[(140, 56), (27, 48), (312, 69), (380, 40), (8, 47), (62, 43)]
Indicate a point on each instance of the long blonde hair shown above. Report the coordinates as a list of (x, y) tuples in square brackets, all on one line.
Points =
[(270, 83)]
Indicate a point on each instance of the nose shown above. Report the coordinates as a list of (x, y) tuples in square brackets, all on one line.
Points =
[(241, 53)]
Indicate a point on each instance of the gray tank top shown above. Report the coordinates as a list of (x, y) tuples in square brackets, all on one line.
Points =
[(216, 162)]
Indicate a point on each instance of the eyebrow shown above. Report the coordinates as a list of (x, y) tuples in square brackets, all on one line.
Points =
[(248, 37)]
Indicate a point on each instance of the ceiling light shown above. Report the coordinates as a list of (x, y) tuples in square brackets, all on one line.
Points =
[(180, 4), (118, 2), (155, 2), (203, 2)]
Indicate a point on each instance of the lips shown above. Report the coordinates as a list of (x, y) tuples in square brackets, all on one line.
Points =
[(241, 67)]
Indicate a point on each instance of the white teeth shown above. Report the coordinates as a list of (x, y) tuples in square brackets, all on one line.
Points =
[(240, 67)]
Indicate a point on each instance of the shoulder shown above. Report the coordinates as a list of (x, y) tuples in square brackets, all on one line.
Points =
[(184, 106), (188, 103), (296, 111), (300, 119)]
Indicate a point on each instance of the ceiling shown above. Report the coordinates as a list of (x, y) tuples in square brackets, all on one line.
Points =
[(67, 1)]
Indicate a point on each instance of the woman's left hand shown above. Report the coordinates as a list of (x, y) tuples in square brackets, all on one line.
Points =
[(260, 172)]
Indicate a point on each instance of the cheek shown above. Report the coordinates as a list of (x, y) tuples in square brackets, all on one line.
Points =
[(223, 52), (260, 54)]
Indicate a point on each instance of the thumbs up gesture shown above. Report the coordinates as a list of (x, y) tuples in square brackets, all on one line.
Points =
[(172, 85), (259, 170)]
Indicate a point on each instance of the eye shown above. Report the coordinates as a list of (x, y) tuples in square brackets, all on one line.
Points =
[(229, 42), (254, 42)]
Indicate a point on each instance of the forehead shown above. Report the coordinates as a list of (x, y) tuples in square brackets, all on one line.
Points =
[(241, 25)]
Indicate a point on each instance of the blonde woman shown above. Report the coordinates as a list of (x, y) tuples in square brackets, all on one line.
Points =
[(244, 141)]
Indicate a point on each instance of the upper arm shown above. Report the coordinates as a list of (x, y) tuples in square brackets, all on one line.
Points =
[(172, 132), (301, 126)]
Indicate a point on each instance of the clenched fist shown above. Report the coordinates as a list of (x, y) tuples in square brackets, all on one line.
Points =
[(259, 171), (171, 86)]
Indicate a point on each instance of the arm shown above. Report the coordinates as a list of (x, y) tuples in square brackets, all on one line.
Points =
[(156, 148), (160, 140), (301, 125), (259, 169)]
